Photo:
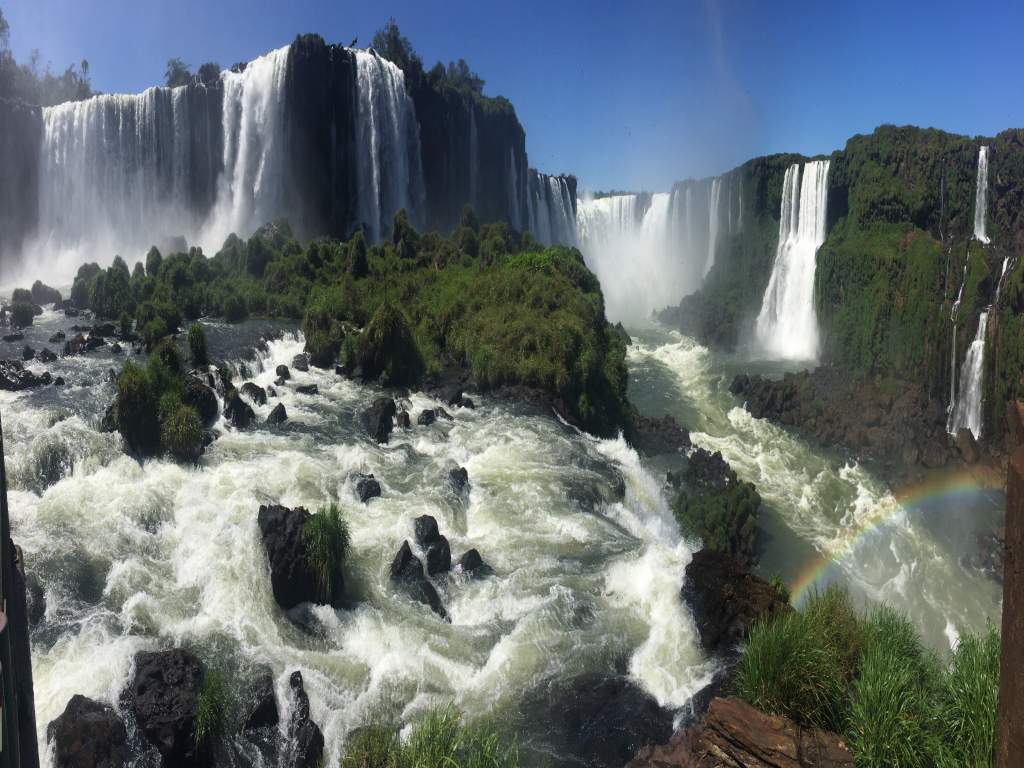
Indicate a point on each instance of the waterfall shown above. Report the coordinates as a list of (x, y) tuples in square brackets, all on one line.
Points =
[(787, 326), (251, 190), (981, 196), (115, 168), (389, 171), (713, 221), (967, 411), (550, 209)]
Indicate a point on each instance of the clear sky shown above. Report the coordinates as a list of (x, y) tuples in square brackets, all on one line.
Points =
[(626, 95)]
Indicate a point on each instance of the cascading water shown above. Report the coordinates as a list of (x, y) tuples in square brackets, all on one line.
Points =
[(981, 196), (390, 172), (713, 224), (251, 190), (550, 209), (787, 326), (967, 411)]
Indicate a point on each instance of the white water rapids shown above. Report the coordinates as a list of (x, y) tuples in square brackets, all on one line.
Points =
[(137, 557)]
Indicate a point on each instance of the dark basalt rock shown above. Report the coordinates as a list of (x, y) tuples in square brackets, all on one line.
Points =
[(14, 377), (164, 697), (407, 572), (283, 372), (473, 565), (237, 410), (443, 414), (94, 342), (307, 389), (367, 487), (109, 421), (46, 356), (459, 480), (733, 733), (200, 397), (467, 402), (726, 600), (27, 353), (261, 711), (254, 392), (602, 720), (75, 345), (427, 531), (305, 745), (402, 420), (278, 415), (439, 557), (968, 446), (58, 337), (378, 419), (291, 580), (104, 329), (59, 381), (654, 437), (115, 348), (300, 363), (88, 734), (427, 417), (12, 337)]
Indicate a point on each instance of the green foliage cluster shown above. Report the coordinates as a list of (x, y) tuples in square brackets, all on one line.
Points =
[(871, 679), (325, 536), (148, 409), (36, 83), (720, 509), (439, 740), (211, 709), (485, 298), (22, 313), (197, 345)]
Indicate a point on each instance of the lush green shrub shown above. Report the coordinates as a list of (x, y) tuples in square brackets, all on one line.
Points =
[(181, 433), (438, 740), (387, 346), (21, 296), (967, 701), (235, 310), (22, 314), (211, 709), (197, 345), (137, 410), (153, 261), (83, 283), (326, 539), (125, 323)]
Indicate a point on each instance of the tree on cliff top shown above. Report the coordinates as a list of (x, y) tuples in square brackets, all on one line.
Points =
[(390, 43), (177, 73)]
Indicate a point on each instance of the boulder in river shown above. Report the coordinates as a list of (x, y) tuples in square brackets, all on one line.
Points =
[(402, 420), (300, 362), (46, 356), (427, 417), (459, 480), (164, 698), (305, 745), (12, 337), (88, 734), (733, 733), (278, 415), (28, 353), (254, 392), (602, 720), (726, 600), (261, 708), (199, 396), (367, 487), (283, 372), (407, 572), (439, 557), (378, 418), (967, 445), (237, 410), (14, 376), (307, 389), (473, 565), (426, 529), (291, 578)]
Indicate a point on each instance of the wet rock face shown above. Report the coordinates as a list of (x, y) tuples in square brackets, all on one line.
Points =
[(655, 437), (255, 393), (14, 377), (378, 418), (726, 600), (291, 580), (278, 415), (88, 734), (603, 720), (407, 572), (305, 745), (733, 733), (202, 398), (237, 410), (367, 487), (164, 696), (893, 422)]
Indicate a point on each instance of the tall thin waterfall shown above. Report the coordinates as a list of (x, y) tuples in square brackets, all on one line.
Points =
[(967, 411), (390, 172), (550, 209), (787, 326), (981, 196), (713, 223), (251, 190)]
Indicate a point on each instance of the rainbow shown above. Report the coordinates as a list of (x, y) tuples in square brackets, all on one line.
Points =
[(961, 484)]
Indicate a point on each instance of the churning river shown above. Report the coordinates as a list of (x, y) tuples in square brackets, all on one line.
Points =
[(134, 557)]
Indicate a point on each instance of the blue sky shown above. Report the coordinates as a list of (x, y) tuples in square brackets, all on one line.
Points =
[(625, 95)]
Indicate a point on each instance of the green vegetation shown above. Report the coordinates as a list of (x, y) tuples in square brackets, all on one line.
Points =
[(496, 304), (718, 507), (211, 708), (439, 740), (871, 679), (148, 410), (326, 539), (22, 313), (197, 345), (35, 83)]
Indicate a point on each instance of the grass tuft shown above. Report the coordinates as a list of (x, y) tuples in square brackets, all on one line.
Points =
[(326, 539), (211, 709)]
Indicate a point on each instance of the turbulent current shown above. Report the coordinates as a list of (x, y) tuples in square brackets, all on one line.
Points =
[(135, 557)]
